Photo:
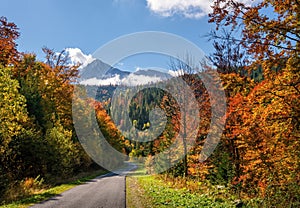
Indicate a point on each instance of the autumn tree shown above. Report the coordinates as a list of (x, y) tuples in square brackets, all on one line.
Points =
[(264, 125), (108, 128), (37, 133), (264, 122), (48, 93), (267, 36), (225, 161), (187, 70), (262, 30), (9, 32), (57, 86)]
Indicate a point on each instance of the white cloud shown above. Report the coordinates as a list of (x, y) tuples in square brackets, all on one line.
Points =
[(134, 80), (131, 80), (176, 73), (77, 56), (159, 69), (187, 8), (98, 82), (193, 9)]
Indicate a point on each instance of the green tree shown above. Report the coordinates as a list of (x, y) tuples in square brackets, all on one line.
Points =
[(63, 155), (13, 117), (13, 113)]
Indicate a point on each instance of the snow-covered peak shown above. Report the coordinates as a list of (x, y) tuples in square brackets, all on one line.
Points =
[(77, 56)]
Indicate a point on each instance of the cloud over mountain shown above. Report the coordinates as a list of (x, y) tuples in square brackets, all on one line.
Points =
[(95, 72), (77, 56)]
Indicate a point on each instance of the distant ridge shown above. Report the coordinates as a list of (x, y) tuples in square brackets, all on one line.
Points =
[(100, 70), (102, 74)]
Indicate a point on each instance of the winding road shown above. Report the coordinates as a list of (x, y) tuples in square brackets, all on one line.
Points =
[(107, 191)]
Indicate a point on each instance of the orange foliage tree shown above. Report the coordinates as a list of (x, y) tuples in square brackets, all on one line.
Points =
[(8, 47), (266, 126), (265, 122)]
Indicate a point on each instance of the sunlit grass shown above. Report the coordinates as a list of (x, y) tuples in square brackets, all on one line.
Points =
[(152, 192), (163, 195)]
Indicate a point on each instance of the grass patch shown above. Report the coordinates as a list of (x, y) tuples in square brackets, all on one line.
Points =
[(163, 195), (152, 192), (165, 191), (135, 194), (45, 194)]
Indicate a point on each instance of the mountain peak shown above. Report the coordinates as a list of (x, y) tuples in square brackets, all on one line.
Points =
[(95, 72), (78, 57)]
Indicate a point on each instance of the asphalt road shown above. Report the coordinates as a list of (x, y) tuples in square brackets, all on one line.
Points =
[(106, 191)]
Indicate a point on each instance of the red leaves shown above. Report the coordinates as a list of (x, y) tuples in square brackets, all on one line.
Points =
[(8, 34)]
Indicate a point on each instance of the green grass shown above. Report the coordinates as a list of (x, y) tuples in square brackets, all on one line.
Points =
[(152, 192), (164, 196), (51, 192), (161, 191), (135, 194)]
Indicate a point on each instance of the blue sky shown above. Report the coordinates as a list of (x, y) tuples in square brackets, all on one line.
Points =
[(89, 24)]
